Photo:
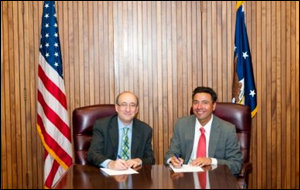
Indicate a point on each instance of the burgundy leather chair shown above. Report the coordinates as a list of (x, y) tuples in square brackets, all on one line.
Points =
[(83, 121), (240, 116)]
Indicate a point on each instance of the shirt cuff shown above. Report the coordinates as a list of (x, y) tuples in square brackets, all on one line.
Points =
[(169, 161), (214, 161), (105, 163)]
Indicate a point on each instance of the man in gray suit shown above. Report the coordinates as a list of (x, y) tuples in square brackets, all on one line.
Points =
[(189, 142), (121, 141)]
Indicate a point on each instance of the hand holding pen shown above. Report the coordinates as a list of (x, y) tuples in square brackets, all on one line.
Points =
[(177, 161), (118, 164)]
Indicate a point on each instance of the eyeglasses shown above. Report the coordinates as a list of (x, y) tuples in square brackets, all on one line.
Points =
[(125, 105)]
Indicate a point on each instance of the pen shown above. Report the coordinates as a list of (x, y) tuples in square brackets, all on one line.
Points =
[(119, 157), (177, 156)]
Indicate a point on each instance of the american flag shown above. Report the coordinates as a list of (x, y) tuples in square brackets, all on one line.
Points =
[(52, 115), (243, 90)]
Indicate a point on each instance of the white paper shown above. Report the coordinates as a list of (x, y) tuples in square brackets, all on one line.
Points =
[(119, 172), (187, 168)]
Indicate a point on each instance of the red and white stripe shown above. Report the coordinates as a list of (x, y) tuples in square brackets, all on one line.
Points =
[(52, 123)]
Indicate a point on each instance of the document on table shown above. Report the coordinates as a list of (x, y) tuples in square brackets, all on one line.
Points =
[(187, 168), (119, 172)]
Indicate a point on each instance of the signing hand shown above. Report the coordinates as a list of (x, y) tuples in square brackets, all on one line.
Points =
[(119, 164), (201, 161), (177, 163)]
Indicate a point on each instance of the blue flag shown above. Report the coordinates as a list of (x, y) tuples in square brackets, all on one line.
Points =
[(243, 90)]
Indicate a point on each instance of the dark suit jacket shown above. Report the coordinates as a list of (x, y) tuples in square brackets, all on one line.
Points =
[(223, 142), (105, 141)]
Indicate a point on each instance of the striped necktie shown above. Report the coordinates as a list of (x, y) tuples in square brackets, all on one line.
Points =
[(125, 144)]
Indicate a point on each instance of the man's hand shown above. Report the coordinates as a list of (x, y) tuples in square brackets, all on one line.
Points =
[(177, 163), (133, 163), (118, 165), (207, 168), (137, 168), (201, 162)]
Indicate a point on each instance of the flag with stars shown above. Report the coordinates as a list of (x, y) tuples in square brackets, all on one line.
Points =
[(52, 115), (243, 90)]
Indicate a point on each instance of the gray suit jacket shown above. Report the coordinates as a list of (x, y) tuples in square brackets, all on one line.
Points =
[(223, 142), (105, 141)]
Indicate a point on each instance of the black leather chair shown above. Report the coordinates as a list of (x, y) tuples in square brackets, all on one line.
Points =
[(240, 116), (83, 121)]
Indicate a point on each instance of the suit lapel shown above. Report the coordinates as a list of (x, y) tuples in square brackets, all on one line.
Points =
[(135, 139), (189, 136), (114, 133), (214, 136)]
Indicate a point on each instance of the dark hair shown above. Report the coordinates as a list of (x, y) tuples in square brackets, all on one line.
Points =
[(202, 89)]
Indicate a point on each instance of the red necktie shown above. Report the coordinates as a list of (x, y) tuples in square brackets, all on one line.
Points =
[(201, 150)]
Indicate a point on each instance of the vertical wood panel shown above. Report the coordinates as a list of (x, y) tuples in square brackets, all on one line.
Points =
[(253, 42), (161, 51), (22, 95), (274, 97), (179, 58), (2, 98), (292, 138), (4, 62), (163, 86), (150, 61), (287, 91), (296, 172), (111, 95), (17, 97), (263, 86), (101, 71), (268, 100), (159, 19), (196, 44), (174, 66), (28, 23), (184, 62), (279, 95), (7, 94), (12, 97), (71, 48), (259, 116), (81, 53), (76, 89), (140, 61), (134, 41), (222, 67)]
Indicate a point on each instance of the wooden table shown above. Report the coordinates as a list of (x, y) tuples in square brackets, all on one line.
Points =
[(149, 177)]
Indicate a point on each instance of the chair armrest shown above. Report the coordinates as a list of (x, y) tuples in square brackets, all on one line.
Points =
[(243, 175), (246, 169)]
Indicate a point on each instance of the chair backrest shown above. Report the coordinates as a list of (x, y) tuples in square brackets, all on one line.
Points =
[(240, 116), (83, 121)]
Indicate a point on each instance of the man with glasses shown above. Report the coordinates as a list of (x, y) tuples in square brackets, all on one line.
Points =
[(121, 141)]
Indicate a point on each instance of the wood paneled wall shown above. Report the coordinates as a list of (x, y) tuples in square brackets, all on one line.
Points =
[(161, 51)]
